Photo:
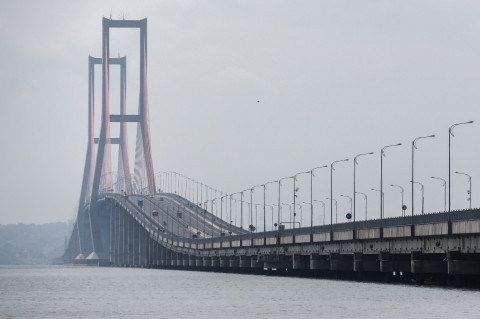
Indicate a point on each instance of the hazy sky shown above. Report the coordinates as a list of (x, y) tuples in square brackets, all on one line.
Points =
[(334, 79)]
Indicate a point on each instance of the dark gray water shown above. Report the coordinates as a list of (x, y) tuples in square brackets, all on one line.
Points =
[(83, 292)]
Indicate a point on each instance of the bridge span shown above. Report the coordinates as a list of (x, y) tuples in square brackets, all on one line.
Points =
[(185, 236)]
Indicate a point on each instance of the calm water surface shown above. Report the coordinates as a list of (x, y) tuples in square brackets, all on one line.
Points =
[(87, 292)]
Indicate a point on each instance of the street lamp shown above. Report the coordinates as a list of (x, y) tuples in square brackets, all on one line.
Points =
[(470, 189), (444, 182), (311, 197), (279, 193), (323, 205), (414, 146), (331, 190), (355, 162), (380, 192), (382, 155), (350, 199), (264, 214), (450, 134), (290, 210), (423, 194), (366, 203), (295, 190), (336, 210), (301, 215), (402, 192)]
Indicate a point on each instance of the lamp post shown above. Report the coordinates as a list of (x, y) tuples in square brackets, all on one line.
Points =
[(470, 188), (422, 188), (323, 205), (444, 182), (290, 210), (311, 198), (350, 199), (380, 192), (366, 203), (221, 212), (332, 168), (264, 214), (402, 192), (450, 134), (382, 155), (336, 210), (414, 146), (355, 162), (279, 193), (295, 190)]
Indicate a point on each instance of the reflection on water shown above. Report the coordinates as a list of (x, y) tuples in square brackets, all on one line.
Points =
[(60, 292)]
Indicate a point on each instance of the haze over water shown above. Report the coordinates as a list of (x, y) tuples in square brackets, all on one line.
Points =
[(82, 292)]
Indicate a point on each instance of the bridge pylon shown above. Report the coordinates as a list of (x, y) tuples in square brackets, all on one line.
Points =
[(91, 225)]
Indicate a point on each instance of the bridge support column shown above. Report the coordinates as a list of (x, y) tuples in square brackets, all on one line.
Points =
[(131, 241), (123, 239), (256, 262), (319, 262), (185, 261), (427, 263), (173, 259), (215, 262), (234, 262), (300, 262), (168, 257), (207, 261), (245, 261), (142, 242), (199, 261), (340, 262), (192, 261), (224, 262), (362, 262)]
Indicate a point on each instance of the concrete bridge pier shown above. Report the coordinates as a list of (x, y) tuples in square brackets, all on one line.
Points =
[(207, 261), (185, 261), (173, 259), (428, 263), (365, 262), (224, 262), (245, 261), (234, 262), (142, 245), (319, 262), (130, 238), (123, 245), (198, 261), (167, 257), (340, 262), (215, 262), (458, 266), (256, 262), (300, 261)]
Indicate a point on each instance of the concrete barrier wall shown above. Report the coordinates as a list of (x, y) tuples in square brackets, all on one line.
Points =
[(399, 231), (271, 240), (431, 229), (302, 238), (246, 242), (321, 237), (236, 243), (286, 240), (216, 244), (368, 233), (258, 241), (343, 235), (466, 227)]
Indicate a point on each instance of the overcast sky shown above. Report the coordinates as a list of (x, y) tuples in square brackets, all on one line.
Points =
[(334, 79)]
